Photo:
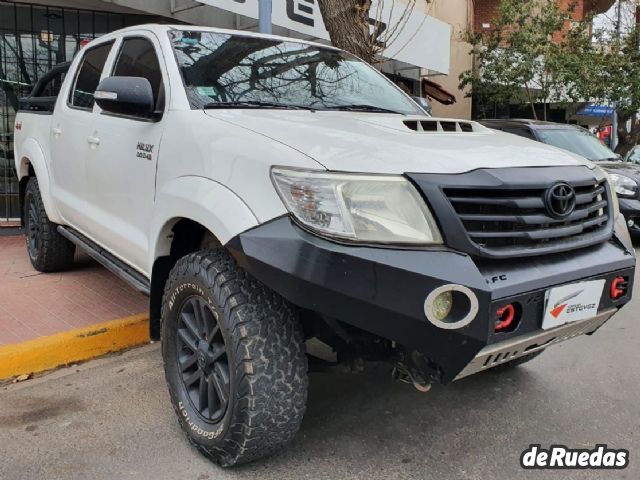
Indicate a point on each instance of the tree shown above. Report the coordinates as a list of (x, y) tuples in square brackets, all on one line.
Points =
[(518, 58), (536, 52), (612, 77), (363, 27)]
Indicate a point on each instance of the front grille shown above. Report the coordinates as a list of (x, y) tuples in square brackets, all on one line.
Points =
[(517, 219)]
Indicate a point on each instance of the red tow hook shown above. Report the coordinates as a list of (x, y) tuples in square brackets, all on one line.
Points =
[(506, 315), (619, 287)]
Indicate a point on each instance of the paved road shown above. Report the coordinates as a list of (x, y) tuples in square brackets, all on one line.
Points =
[(111, 418)]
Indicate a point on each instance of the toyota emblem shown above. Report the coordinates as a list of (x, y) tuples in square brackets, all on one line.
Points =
[(560, 200)]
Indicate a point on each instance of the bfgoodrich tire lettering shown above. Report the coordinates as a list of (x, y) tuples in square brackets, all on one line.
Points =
[(264, 351), (48, 250)]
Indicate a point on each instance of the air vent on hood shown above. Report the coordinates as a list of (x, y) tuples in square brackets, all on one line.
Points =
[(447, 126)]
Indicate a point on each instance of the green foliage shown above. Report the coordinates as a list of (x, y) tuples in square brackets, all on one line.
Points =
[(518, 59)]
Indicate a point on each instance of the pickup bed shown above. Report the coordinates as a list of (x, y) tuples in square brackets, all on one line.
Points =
[(272, 195)]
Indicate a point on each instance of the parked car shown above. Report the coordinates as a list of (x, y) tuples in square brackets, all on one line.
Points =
[(633, 156), (265, 191), (625, 176)]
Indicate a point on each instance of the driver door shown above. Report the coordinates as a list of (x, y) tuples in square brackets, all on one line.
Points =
[(122, 172)]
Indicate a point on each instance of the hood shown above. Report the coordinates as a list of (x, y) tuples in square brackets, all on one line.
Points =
[(389, 143), (623, 168)]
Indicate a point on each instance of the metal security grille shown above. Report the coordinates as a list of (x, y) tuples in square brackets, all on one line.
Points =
[(33, 39)]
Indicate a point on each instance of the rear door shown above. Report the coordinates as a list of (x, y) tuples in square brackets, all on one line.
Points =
[(122, 174), (71, 143)]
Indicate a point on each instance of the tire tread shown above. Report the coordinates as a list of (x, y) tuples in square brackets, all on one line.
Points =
[(56, 252), (269, 359)]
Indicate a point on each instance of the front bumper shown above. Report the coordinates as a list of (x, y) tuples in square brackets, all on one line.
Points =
[(383, 290)]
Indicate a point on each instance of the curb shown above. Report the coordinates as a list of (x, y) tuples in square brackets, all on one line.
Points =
[(62, 349)]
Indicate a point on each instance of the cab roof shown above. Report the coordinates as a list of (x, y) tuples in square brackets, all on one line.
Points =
[(162, 28)]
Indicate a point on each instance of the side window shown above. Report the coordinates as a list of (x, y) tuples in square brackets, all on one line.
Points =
[(89, 76), (138, 59)]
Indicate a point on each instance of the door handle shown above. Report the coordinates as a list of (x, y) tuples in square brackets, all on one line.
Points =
[(93, 141), (56, 132)]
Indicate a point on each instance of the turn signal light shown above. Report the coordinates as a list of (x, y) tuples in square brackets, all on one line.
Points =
[(506, 316), (619, 287)]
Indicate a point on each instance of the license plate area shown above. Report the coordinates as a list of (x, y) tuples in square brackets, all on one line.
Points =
[(572, 302)]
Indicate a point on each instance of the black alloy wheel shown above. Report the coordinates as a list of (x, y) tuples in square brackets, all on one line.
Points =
[(33, 228), (202, 359), (48, 250)]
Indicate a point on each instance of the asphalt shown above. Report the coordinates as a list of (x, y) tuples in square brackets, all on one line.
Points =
[(111, 419)]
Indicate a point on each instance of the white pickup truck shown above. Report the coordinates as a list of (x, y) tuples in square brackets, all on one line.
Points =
[(269, 194)]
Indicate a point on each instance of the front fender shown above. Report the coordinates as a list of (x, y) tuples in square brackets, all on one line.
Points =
[(201, 200), (622, 233), (31, 154)]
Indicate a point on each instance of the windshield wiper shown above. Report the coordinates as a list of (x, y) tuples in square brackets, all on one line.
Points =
[(253, 104), (363, 108)]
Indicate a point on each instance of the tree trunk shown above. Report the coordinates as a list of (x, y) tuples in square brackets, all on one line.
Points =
[(347, 22), (531, 102), (627, 139)]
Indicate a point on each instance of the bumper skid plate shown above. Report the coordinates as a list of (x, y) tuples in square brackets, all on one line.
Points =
[(511, 349)]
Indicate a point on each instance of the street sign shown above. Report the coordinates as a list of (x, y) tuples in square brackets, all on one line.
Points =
[(601, 111)]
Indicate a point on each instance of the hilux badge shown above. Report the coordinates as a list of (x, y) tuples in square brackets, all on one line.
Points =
[(144, 150)]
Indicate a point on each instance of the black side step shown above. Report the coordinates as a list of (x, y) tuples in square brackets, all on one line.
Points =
[(136, 279)]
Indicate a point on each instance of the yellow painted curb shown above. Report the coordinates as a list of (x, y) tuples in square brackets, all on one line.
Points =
[(65, 348)]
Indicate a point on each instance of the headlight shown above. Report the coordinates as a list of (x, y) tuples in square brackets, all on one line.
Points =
[(614, 196), (624, 186), (362, 208)]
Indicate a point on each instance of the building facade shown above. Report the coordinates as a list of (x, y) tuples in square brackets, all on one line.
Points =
[(487, 10), (460, 15)]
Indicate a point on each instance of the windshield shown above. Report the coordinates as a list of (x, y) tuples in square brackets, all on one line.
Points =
[(226, 69), (577, 141)]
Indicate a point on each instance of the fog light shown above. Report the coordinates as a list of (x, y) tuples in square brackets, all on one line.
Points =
[(442, 305), (630, 223), (451, 306)]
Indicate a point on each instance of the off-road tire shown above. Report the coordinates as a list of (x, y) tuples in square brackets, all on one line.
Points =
[(48, 250), (515, 363), (265, 355)]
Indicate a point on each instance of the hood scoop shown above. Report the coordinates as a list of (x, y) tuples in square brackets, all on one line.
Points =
[(440, 126)]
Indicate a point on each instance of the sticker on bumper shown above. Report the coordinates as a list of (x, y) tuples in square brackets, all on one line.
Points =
[(570, 303)]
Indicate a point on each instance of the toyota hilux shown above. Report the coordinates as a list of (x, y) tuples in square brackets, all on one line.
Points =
[(269, 193)]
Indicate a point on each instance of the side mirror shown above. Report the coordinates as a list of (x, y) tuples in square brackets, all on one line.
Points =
[(125, 96)]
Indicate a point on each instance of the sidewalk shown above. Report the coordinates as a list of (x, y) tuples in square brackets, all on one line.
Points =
[(33, 304)]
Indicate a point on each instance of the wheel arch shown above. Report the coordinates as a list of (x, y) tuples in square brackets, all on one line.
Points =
[(32, 163), (192, 213)]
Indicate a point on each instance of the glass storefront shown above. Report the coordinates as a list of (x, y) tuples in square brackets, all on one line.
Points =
[(32, 40)]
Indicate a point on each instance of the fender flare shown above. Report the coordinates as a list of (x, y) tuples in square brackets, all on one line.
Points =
[(202, 200), (32, 154)]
